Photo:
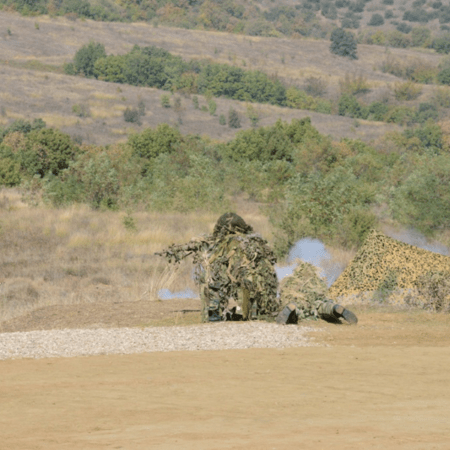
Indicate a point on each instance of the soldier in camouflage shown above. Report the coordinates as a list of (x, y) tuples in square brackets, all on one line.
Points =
[(303, 295), (234, 268)]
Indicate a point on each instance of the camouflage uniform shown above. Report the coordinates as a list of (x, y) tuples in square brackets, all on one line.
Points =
[(232, 265), (303, 295)]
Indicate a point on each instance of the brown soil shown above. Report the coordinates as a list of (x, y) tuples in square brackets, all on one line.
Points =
[(380, 384)]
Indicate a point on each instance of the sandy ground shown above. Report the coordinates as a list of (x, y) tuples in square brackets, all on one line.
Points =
[(383, 384)]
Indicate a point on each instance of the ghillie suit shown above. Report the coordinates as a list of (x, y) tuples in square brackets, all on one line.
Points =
[(234, 267), (303, 295)]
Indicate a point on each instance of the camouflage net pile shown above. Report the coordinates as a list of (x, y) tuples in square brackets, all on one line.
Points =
[(388, 270), (305, 288)]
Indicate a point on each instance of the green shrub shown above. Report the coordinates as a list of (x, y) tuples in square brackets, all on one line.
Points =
[(350, 107), (442, 44), (234, 120), (397, 39), (222, 120), (441, 96), (425, 112), (401, 115), (404, 28), (444, 76), (378, 111), (318, 205), (132, 115), (407, 90), (376, 20), (153, 142), (416, 15), (9, 171), (421, 201), (388, 14), (212, 107), (420, 36), (47, 151), (165, 101), (343, 43), (354, 84), (86, 57)]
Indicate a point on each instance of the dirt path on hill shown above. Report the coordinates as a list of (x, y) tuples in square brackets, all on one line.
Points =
[(380, 385)]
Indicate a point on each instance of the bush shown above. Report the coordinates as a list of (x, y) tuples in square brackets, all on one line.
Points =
[(378, 111), (403, 28), (407, 91), (9, 171), (343, 43), (212, 107), (376, 20), (47, 151), (420, 36), (222, 120), (442, 44), (299, 99), (388, 14), (86, 57), (401, 115), (444, 76), (441, 96), (165, 101), (354, 84), (132, 115), (234, 120), (350, 107), (153, 142), (397, 39), (421, 201), (416, 15)]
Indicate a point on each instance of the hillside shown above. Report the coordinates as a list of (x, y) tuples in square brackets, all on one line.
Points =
[(34, 84)]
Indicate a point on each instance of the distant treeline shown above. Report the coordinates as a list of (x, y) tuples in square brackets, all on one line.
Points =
[(247, 17), (310, 185), (156, 67)]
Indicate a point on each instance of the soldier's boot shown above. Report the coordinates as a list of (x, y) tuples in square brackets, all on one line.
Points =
[(288, 315), (333, 312), (339, 311)]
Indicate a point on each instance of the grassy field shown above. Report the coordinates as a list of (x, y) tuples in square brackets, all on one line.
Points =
[(77, 255)]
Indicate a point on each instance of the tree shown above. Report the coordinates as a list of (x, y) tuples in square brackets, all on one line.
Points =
[(47, 151), (376, 20), (343, 43), (86, 57)]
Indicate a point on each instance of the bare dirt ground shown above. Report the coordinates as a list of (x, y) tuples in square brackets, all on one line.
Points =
[(380, 384)]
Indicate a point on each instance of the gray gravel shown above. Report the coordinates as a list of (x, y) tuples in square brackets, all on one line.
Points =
[(220, 336)]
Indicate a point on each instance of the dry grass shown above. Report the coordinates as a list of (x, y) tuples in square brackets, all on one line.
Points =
[(77, 255)]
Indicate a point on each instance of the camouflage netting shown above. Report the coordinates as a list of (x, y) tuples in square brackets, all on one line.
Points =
[(305, 288), (384, 265)]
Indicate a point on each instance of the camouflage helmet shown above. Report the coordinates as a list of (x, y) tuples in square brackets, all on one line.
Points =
[(231, 223)]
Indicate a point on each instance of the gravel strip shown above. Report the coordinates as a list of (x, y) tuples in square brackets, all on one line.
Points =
[(220, 336)]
